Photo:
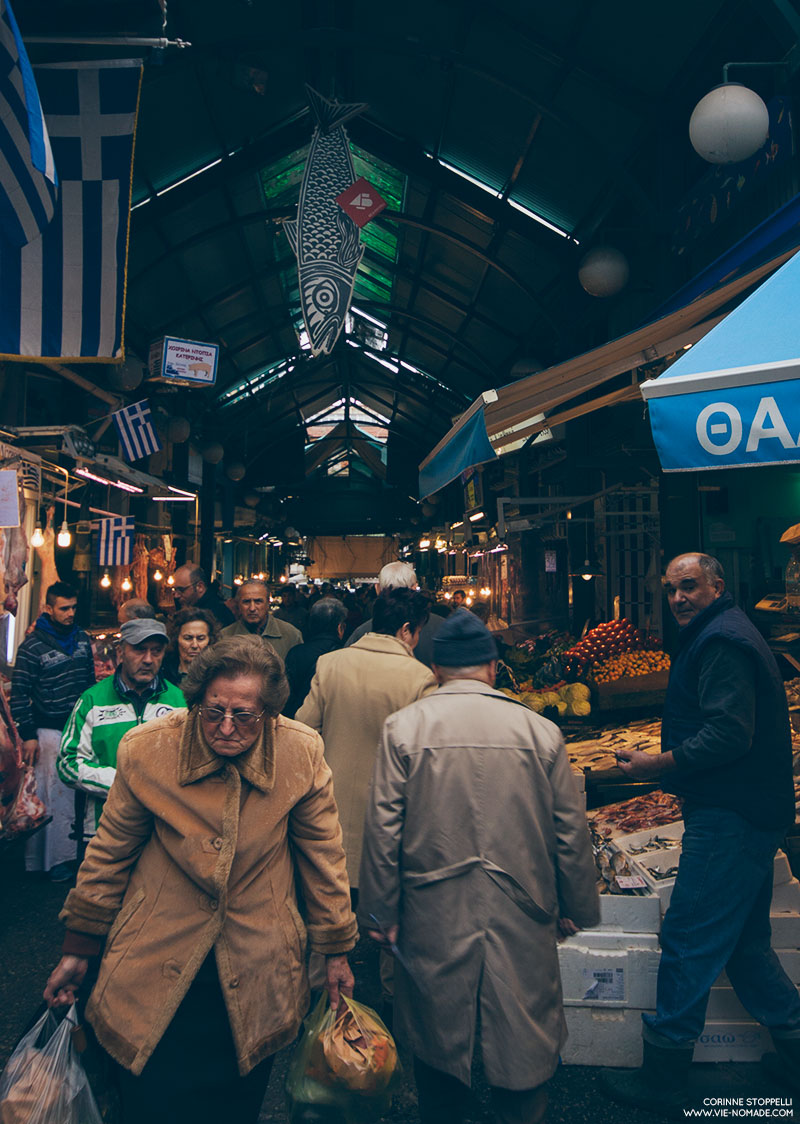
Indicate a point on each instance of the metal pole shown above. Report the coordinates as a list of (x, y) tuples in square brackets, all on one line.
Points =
[(107, 40)]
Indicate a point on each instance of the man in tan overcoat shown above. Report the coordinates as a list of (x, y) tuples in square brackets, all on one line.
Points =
[(353, 691), (475, 847)]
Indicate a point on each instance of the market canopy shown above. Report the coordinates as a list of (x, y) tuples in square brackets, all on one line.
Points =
[(501, 421), (734, 399)]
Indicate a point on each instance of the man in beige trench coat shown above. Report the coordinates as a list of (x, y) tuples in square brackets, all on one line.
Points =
[(475, 845), (353, 691)]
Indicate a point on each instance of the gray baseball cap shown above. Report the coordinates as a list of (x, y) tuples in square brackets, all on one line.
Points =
[(138, 630)]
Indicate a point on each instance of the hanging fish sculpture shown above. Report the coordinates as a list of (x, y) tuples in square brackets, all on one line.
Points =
[(324, 238)]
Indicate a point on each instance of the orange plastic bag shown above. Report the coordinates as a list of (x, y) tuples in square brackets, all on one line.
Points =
[(345, 1066), (358, 1048)]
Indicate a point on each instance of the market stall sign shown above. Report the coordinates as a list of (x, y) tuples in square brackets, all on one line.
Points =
[(733, 428), (733, 400), (183, 362)]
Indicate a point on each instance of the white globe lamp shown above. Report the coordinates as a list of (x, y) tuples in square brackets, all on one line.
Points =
[(213, 452), (235, 471), (604, 272), (729, 124)]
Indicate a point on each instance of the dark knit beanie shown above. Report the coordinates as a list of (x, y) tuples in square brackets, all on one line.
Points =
[(463, 641)]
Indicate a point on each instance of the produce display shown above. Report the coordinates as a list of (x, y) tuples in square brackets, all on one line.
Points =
[(611, 638), (631, 663), (569, 700)]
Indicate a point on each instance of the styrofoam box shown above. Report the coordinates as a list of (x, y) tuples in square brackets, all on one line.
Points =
[(621, 977), (786, 897), (659, 860), (789, 958), (785, 929), (634, 913), (724, 1006), (603, 1036), (734, 1041), (640, 838), (782, 870), (611, 938)]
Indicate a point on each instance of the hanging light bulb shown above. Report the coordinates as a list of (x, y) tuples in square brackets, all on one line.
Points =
[(64, 537), (105, 581), (586, 572), (37, 538), (170, 580), (158, 576), (127, 584)]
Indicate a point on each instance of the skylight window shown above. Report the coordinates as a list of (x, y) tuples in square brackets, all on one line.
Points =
[(254, 384), (498, 195)]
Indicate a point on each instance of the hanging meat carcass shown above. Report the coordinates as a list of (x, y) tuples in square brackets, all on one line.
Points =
[(47, 558), (141, 557), (15, 556), (160, 561)]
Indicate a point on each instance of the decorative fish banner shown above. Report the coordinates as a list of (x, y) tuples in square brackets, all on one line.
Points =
[(325, 240)]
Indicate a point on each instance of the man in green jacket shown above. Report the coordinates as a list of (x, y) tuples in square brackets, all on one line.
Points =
[(134, 694)]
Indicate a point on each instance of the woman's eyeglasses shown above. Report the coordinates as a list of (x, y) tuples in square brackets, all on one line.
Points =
[(242, 719)]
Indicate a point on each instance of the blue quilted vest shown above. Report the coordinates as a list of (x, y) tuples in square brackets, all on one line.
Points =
[(758, 785)]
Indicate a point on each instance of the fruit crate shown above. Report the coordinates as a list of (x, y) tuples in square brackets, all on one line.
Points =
[(632, 691)]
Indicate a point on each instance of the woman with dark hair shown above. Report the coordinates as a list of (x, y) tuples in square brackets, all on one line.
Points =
[(190, 632), (218, 816)]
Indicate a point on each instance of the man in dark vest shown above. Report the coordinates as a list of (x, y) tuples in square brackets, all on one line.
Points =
[(726, 751)]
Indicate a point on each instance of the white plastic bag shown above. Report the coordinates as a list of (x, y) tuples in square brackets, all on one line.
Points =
[(44, 1081)]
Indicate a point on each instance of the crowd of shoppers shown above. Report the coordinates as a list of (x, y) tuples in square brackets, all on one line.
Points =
[(302, 763)]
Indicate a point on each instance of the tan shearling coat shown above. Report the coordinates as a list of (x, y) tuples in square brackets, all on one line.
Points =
[(353, 691), (475, 844), (196, 852)]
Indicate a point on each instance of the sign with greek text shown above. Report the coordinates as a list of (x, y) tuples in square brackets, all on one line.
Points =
[(184, 362)]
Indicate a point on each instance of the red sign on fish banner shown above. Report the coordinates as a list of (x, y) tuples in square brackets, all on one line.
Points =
[(361, 202)]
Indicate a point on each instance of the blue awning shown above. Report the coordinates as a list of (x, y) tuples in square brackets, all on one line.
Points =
[(468, 447), (733, 400), (502, 420)]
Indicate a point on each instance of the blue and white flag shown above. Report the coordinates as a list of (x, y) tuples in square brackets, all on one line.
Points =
[(115, 541), (28, 180), (137, 434), (62, 295)]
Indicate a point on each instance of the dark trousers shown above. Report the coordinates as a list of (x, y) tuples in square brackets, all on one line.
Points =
[(192, 1076), (443, 1099)]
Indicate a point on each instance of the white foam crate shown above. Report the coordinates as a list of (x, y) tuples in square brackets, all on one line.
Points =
[(603, 1036), (659, 860), (633, 913), (782, 872), (786, 897), (671, 831), (611, 938), (621, 977), (785, 929), (732, 1041)]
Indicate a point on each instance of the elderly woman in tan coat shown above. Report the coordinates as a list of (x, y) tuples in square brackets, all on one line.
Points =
[(189, 889)]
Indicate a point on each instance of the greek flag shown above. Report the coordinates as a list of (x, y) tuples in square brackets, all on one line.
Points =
[(62, 295), (28, 181), (115, 542), (137, 434)]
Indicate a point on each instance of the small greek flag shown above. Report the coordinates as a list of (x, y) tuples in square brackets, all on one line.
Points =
[(28, 180), (137, 433), (115, 543)]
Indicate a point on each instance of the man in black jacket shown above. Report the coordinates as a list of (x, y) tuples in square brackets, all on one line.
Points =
[(192, 590), (726, 751), (54, 666), (325, 629)]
